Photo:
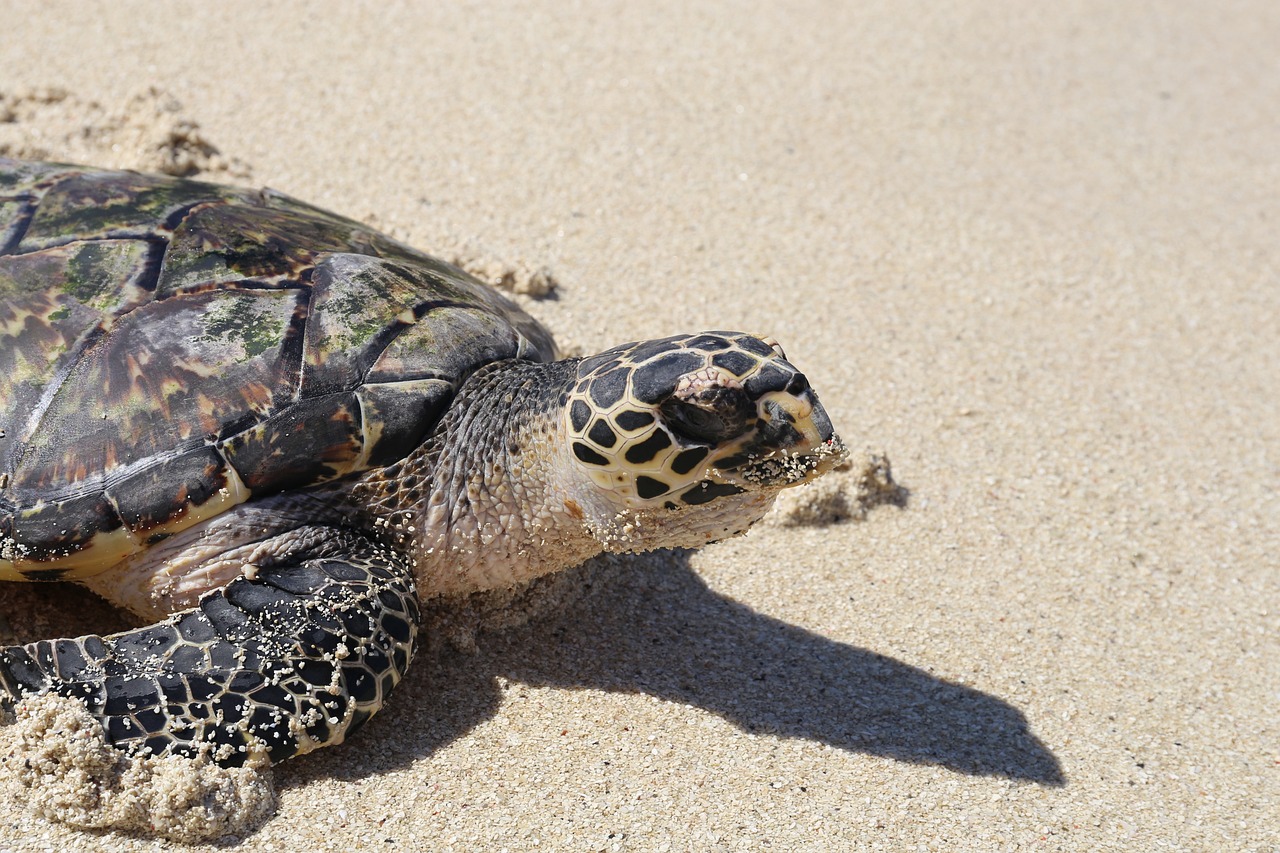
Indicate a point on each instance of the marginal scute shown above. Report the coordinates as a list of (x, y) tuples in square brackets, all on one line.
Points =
[(396, 416), (268, 457), (145, 500), (43, 528)]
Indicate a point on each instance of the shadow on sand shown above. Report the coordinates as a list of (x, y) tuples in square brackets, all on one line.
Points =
[(649, 624)]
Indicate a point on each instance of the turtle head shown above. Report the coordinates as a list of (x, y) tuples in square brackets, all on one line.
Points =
[(688, 439)]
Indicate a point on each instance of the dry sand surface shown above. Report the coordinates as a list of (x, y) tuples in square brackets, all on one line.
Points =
[(1029, 254)]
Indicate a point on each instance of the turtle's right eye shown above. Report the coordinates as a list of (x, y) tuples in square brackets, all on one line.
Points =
[(711, 416)]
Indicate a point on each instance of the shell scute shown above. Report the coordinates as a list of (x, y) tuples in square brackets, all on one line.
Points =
[(113, 204), (309, 442), (46, 530), (50, 304), (146, 499), (228, 243), (398, 415)]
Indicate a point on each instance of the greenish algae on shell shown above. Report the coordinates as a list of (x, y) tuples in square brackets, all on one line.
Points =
[(165, 343)]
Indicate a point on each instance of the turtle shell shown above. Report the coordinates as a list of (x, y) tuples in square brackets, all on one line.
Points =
[(171, 348)]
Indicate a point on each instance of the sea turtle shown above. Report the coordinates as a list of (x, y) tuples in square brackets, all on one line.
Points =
[(270, 431)]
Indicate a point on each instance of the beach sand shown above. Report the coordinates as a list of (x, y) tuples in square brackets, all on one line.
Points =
[(1030, 256)]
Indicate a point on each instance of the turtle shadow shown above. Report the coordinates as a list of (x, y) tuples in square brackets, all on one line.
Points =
[(649, 624)]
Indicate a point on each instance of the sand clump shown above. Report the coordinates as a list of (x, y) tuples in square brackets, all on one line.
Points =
[(55, 759), (847, 493), (149, 132)]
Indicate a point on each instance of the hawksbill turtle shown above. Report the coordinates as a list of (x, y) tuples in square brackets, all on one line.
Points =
[(270, 432)]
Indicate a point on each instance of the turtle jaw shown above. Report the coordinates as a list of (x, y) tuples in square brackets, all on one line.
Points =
[(793, 444)]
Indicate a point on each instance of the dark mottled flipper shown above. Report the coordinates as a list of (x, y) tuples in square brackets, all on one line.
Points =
[(296, 658)]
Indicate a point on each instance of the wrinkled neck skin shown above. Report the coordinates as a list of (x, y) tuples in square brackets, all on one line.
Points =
[(492, 498)]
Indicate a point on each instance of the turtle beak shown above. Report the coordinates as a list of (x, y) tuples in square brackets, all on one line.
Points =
[(798, 427), (794, 444)]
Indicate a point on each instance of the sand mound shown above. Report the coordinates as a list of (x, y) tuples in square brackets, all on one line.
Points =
[(148, 132), (55, 759)]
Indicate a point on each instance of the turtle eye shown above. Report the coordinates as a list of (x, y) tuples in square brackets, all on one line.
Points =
[(710, 416)]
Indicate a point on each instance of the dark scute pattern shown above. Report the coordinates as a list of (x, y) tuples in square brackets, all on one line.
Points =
[(194, 628), (397, 629), (146, 643), (151, 720), (687, 460), (608, 388), (121, 729), (768, 378), (657, 379), (71, 660), (342, 570), (602, 434), (300, 579), (586, 454), (125, 695), (707, 491), (362, 684), (707, 343), (224, 616), (735, 362), (755, 345), (579, 415), (20, 674), (255, 598), (253, 673), (630, 419), (643, 452), (649, 349), (728, 463), (648, 487)]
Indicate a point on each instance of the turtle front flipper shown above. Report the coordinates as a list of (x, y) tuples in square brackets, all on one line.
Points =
[(295, 655)]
